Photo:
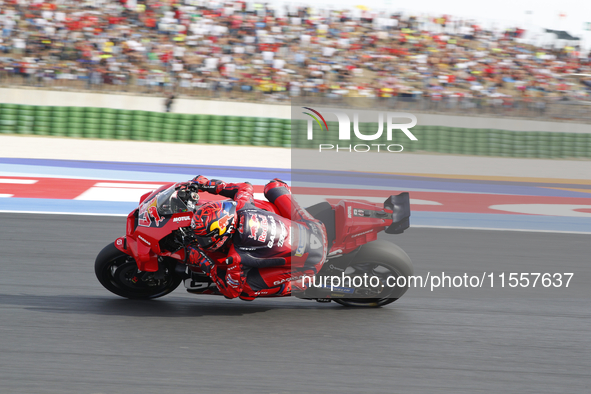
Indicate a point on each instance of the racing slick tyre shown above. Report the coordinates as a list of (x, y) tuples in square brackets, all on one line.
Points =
[(119, 274), (382, 259)]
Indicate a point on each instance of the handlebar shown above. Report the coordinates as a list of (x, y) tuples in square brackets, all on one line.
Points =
[(188, 192)]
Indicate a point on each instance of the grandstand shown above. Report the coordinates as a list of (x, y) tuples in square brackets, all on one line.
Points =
[(244, 51)]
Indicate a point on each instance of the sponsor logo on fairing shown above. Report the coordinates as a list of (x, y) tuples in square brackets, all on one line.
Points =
[(147, 211), (181, 219), (153, 210), (365, 232), (145, 241)]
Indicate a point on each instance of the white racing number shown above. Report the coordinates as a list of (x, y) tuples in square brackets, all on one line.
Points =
[(315, 242)]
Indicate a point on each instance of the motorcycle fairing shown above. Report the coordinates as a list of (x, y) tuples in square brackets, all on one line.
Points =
[(143, 242)]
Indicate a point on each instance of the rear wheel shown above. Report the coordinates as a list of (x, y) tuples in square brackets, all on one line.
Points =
[(383, 260), (119, 274)]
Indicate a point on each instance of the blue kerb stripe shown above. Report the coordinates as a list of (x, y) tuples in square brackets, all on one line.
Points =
[(251, 172)]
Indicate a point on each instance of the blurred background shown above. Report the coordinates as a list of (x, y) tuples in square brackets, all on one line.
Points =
[(102, 101), (488, 84), (514, 59)]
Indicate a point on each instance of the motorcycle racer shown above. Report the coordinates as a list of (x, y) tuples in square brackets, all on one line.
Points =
[(248, 251)]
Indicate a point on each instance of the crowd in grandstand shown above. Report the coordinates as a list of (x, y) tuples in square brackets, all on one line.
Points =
[(240, 49)]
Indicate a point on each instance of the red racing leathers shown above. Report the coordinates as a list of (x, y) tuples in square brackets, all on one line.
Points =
[(267, 252)]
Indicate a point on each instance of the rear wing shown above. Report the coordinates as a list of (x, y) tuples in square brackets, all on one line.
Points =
[(400, 207)]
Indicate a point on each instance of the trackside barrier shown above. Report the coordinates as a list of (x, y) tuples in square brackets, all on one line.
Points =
[(466, 141), (89, 122), (106, 123)]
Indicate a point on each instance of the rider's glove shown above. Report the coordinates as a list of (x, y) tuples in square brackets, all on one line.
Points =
[(205, 184), (200, 180), (198, 258), (235, 277)]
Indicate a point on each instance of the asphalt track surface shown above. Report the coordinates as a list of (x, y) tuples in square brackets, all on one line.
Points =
[(61, 332)]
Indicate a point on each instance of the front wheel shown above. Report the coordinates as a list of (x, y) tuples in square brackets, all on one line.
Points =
[(118, 273), (383, 260)]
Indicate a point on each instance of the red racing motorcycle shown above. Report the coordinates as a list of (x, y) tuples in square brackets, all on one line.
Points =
[(150, 260)]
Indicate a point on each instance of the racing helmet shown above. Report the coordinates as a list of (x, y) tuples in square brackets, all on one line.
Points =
[(213, 223)]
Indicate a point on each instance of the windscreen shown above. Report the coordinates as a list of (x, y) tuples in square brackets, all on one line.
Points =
[(169, 202)]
